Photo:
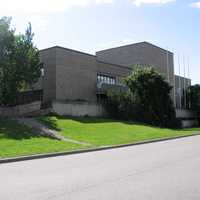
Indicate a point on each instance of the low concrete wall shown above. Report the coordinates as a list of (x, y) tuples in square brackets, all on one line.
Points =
[(78, 109), (189, 123), (20, 110), (185, 114), (188, 118)]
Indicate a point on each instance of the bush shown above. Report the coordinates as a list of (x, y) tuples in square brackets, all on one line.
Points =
[(147, 100), (195, 97), (194, 93)]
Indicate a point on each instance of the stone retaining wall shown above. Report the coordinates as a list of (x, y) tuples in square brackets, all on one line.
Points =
[(20, 110), (188, 118), (190, 123), (181, 113), (78, 109)]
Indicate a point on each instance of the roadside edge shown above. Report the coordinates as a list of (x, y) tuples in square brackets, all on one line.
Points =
[(48, 155)]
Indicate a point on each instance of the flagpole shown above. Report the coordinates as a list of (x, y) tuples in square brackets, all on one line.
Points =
[(174, 80), (189, 80), (180, 90), (184, 83), (167, 64)]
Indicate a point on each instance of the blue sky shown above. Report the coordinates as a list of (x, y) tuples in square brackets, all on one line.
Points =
[(92, 25)]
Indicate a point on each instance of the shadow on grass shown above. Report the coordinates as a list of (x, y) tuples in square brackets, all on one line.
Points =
[(51, 122), (10, 129)]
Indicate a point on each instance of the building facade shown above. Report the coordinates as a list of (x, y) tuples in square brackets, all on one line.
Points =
[(182, 88), (71, 75)]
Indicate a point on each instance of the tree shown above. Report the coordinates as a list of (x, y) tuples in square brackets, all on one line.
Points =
[(147, 100), (7, 41), (20, 65), (195, 98), (27, 59), (152, 92)]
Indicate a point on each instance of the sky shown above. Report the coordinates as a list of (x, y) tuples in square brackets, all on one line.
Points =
[(93, 25)]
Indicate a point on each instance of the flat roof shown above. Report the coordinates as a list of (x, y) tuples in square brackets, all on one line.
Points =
[(144, 42), (87, 55), (182, 77), (67, 50)]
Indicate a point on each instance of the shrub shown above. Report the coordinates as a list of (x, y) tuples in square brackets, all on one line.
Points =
[(148, 99), (195, 97), (194, 93)]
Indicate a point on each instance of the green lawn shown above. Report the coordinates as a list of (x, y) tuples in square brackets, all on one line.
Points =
[(18, 140), (103, 132)]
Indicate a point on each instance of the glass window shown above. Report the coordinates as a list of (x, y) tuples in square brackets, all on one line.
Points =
[(42, 72), (109, 80), (106, 79)]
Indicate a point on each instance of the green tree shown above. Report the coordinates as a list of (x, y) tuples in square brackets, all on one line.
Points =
[(151, 91), (147, 100), (7, 42), (195, 98), (20, 65)]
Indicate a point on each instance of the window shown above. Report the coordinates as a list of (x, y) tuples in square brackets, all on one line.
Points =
[(42, 72), (106, 79)]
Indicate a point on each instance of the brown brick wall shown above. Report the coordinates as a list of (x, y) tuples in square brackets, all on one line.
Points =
[(75, 75), (48, 57), (141, 53)]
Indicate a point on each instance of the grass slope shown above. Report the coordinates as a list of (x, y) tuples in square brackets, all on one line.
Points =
[(102, 132), (18, 140)]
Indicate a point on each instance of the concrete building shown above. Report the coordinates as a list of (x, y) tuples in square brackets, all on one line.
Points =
[(73, 76), (182, 84), (142, 53)]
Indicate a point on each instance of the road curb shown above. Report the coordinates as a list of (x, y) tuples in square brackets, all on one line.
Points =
[(48, 155)]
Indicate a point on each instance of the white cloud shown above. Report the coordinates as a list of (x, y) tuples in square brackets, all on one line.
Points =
[(195, 5), (156, 2), (45, 6)]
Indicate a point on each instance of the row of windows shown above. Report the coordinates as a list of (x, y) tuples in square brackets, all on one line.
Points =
[(106, 79)]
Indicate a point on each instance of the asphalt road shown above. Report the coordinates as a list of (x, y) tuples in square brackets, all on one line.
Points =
[(167, 170)]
